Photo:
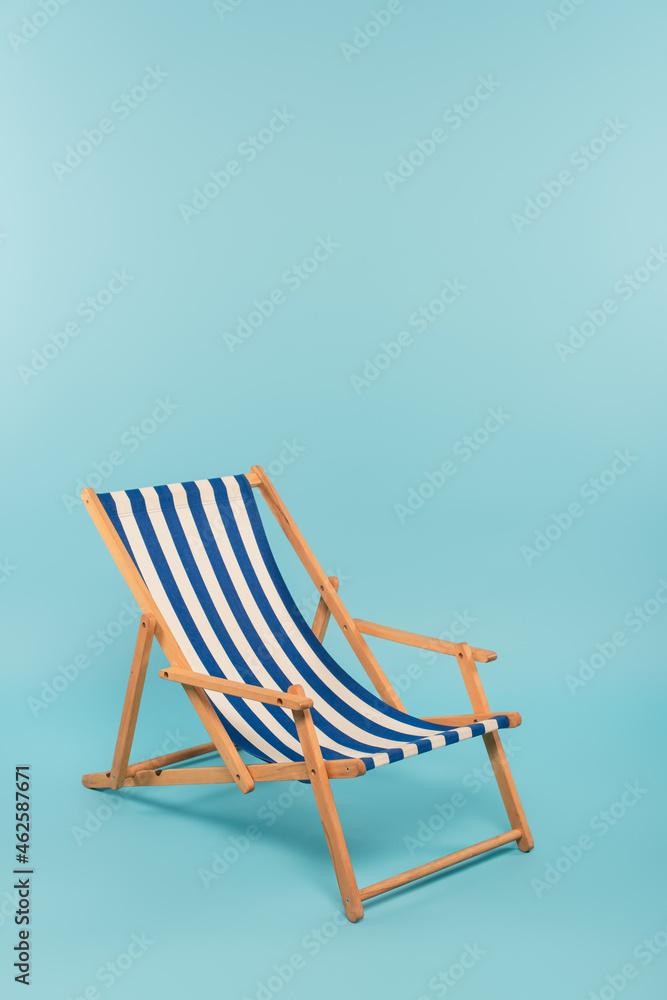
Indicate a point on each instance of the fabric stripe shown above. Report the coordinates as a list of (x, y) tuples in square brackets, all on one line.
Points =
[(203, 553)]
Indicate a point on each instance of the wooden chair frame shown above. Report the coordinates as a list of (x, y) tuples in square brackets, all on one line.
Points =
[(314, 768)]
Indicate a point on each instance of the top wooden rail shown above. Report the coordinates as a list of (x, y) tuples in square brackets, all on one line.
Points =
[(422, 641)]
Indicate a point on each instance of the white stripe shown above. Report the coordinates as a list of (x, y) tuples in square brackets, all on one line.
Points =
[(219, 533), (307, 653), (160, 597), (205, 628), (230, 623), (345, 726)]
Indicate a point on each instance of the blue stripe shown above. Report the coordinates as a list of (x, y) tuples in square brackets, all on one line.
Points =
[(150, 540), (314, 681), (307, 633), (109, 505)]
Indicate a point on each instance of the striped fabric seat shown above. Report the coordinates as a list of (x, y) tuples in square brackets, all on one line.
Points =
[(203, 554)]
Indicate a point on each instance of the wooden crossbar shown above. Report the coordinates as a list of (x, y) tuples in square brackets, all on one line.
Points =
[(349, 768), (171, 758), (436, 866), (467, 720)]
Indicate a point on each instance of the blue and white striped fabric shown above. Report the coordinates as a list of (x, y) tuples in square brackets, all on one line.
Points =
[(202, 551)]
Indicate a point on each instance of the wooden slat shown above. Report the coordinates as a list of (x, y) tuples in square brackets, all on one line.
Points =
[(323, 613), (471, 678), (495, 750), (333, 832), (436, 866), (321, 580), (298, 771), (172, 758), (467, 720), (135, 687), (508, 790), (236, 688), (185, 776), (421, 641)]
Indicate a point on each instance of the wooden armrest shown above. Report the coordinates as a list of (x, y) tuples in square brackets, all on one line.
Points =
[(251, 691), (422, 641), (467, 720)]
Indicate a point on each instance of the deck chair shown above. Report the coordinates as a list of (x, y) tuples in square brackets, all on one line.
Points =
[(198, 563)]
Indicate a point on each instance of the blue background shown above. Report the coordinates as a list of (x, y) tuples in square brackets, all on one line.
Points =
[(356, 454)]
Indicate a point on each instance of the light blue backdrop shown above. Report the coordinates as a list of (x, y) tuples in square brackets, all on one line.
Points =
[(338, 240)]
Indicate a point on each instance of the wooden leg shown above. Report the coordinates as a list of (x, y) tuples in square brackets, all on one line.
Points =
[(135, 686), (333, 832), (221, 739), (495, 750), (508, 791), (323, 614)]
